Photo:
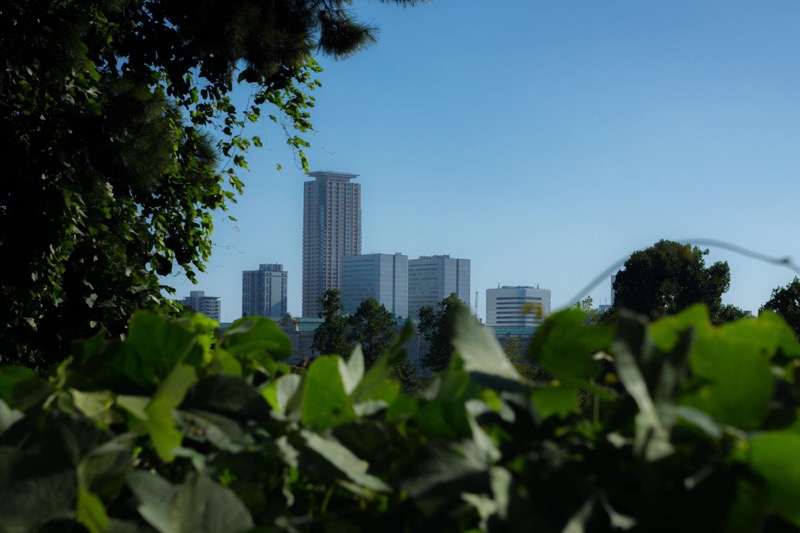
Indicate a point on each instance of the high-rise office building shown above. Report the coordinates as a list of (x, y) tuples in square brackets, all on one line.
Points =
[(264, 291), (517, 306), (199, 302), (431, 279), (331, 230), (380, 276)]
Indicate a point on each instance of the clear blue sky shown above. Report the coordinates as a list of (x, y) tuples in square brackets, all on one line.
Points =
[(546, 140)]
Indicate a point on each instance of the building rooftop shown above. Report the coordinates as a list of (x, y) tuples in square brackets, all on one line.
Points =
[(329, 175)]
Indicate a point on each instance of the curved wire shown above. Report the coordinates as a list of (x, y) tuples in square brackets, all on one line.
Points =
[(714, 243)]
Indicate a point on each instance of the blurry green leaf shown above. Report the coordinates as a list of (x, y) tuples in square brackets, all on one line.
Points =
[(160, 344), (561, 400), (564, 345), (160, 422), (447, 419), (344, 460), (352, 370), (228, 395), (280, 391), (747, 510), (699, 419), (325, 402), (199, 505), (102, 471), (665, 331), (153, 347), (155, 495), (28, 503), (135, 405), (652, 438), (447, 471), (773, 331), (732, 368), (484, 358), (8, 416), (219, 430), (501, 480), (376, 384), (776, 457), (256, 338), (227, 363), (22, 388), (94, 405), (454, 383), (91, 512)]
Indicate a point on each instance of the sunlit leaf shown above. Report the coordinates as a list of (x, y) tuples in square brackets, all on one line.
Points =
[(325, 401)]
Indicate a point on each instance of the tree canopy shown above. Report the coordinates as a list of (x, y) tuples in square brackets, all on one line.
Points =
[(785, 301), (125, 139), (329, 337), (436, 327), (371, 326), (669, 277)]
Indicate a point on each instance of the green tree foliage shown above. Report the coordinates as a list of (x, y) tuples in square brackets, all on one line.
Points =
[(166, 431), (785, 301), (371, 326), (669, 277), (125, 139), (436, 327), (515, 350), (331, 336), (587, 306), (731, 313)]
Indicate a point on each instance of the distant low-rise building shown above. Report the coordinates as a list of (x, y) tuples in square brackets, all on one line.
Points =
[(208, 305), (517, 306)]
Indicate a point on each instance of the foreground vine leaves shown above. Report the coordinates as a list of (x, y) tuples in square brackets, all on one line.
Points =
[(676, 425)]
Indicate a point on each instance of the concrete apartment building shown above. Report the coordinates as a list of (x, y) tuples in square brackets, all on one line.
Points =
[(208, 305), (380, 276), (508, 306), (431, 279), (264, 291), (331, 230)]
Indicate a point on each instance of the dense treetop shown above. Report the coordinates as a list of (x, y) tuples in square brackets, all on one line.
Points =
[(125, 140), (669, 277), (785, 301)]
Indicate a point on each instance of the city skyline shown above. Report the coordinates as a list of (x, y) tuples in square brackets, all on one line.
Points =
[(545, 142)]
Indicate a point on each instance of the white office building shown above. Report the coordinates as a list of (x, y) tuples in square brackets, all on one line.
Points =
[(380, 276), (431, 279), (264, 291), (208, 305), (331, 230), (517, 306)]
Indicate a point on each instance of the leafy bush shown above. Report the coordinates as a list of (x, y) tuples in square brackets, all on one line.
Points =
[(691, 428)]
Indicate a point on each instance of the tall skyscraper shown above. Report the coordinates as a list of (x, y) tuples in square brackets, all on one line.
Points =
[(380, 276), (264, 291), (200, 303), (331, 230), (517, 306), (431, 279)]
